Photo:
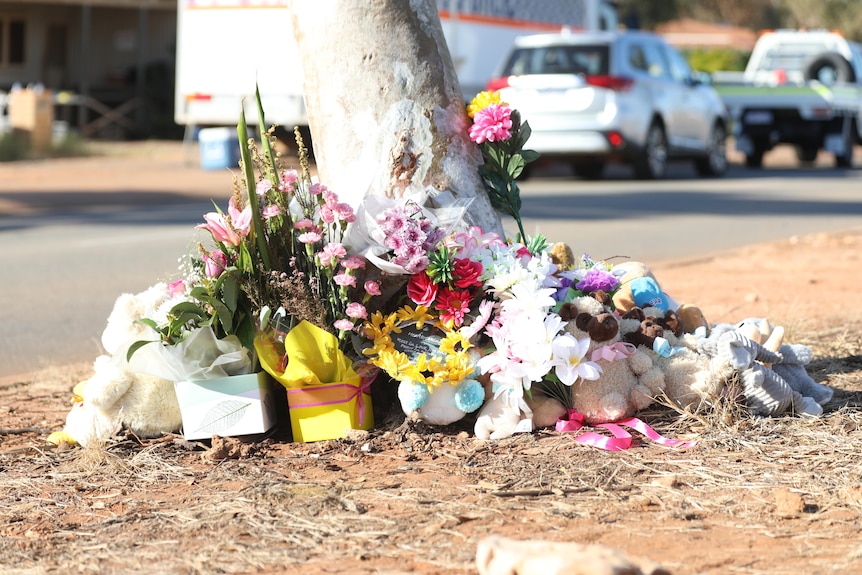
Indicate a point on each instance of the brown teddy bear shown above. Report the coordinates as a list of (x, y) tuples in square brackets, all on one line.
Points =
[(629, 381)]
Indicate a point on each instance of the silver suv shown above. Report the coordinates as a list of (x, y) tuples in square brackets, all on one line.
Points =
[(596, 97)]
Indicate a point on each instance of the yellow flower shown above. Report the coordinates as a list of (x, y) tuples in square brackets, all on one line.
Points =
[(482, 101), (454, 342), (397, 365), (420, 315), (458, 367)]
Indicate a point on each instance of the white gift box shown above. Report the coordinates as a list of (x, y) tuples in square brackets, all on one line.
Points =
[(227, 406)]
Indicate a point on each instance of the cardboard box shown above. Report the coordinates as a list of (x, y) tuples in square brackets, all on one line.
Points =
[(236, 405), (31, 113), (329, 411), (219, 148)]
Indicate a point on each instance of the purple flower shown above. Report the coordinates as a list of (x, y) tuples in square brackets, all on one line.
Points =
[(597, 279)]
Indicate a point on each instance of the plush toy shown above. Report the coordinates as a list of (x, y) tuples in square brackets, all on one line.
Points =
[(639, 288), (115, 396), (794, 358), (690, 376), (629, 381), (444, 404), (766, 392), (119, 393)]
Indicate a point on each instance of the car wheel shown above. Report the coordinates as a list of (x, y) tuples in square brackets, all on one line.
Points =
[(755, 158), (806, 154), (715, 162), (845, 160), (652, 163), (591, 171)]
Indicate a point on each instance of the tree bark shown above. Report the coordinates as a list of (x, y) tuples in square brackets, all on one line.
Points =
[(384, 106)]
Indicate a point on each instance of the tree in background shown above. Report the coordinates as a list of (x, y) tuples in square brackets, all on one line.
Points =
[(844, 15)]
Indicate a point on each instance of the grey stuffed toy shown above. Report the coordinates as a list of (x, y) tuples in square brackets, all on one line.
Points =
[(766, 391)]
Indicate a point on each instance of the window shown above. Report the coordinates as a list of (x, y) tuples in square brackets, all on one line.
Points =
[(13, 41)]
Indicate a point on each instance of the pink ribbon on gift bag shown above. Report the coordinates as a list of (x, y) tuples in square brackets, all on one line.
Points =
[(614, 351), (359, 392), (621, 439)]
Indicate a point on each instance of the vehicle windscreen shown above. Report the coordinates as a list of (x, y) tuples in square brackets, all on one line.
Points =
[(589, 60)]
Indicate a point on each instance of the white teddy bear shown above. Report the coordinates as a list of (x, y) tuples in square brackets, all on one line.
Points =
[(119, 393)]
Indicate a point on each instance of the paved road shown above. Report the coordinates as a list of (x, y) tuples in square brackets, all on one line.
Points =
[(76, 236)]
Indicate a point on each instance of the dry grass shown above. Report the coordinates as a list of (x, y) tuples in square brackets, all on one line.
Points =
[(411, 499)]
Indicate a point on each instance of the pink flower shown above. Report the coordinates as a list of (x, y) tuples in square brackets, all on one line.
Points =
[(421, 289), (311, 237), (316, 189), (344, 212), (263, 187), (330, 199), (327, 215), (453, 305), (331, 253), (343, 324), (240, 220), (492, 123), (215, 263), (344, 280), (220, 229), (288, 177), (303, 224), (177, 288), (271, 211), (372, 288), (353, 263), (356, 310)]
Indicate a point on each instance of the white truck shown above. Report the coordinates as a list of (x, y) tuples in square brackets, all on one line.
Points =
[(219, 62), (800, 87)]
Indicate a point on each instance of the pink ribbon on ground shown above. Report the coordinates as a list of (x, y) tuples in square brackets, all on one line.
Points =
[(614, 351), (355, 391), (621, 439)]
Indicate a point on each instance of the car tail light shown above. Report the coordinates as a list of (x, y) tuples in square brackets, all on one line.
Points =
[(615, 83), (615, 139), (497, 84)]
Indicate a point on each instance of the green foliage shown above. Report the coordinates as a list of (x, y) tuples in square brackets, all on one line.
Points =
[(13, 148), (716, 59), (504, 162)]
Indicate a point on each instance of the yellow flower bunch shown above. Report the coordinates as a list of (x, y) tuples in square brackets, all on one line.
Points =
[(482, 101), (453, 366)]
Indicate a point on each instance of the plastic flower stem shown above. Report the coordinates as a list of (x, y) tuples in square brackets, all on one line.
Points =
[(257, 225), (264, 141)]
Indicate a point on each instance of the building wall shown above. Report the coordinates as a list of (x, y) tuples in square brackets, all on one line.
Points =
[(112, 50)]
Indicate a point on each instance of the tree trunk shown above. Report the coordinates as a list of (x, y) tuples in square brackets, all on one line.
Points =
[(384, 106)]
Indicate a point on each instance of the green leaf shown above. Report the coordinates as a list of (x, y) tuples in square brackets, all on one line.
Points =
[(271, 171), (230, 292), (135, 347), (530, 155), (251, 188), (225, 316), (524, 134), (516, 166), (188, 307), (245, 332), (147, 321)]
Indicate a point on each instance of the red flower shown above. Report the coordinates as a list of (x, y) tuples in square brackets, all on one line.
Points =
[(453, 305), (421, 289), (467, 273)]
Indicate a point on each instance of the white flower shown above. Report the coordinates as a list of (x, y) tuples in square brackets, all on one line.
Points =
[(569, 361)]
